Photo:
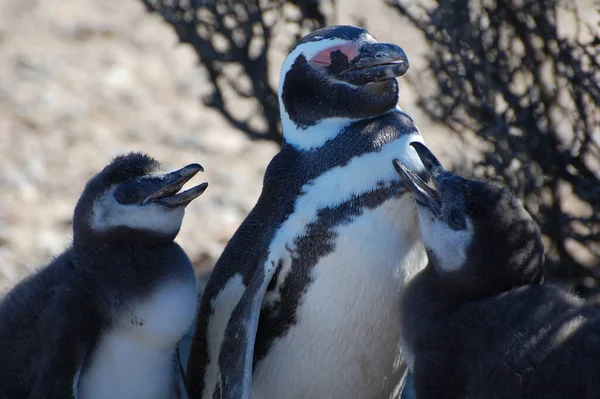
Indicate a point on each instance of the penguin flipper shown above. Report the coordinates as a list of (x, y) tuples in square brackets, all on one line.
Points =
[(182, 390), (237, 349), (66, 345), (185, 343)]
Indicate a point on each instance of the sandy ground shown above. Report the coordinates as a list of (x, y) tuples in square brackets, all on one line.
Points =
[(82, 81)]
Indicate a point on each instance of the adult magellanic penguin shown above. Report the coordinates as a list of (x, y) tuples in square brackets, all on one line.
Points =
[(104, 318), (303, 302)]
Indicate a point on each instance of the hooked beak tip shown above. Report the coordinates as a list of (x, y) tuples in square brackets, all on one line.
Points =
[(432, 164), (425, 195)]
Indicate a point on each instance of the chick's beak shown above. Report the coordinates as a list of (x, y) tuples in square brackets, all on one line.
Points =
[(172, 182), (424, 194)]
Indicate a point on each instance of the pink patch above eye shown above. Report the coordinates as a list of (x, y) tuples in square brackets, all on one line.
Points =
[(323, 57)]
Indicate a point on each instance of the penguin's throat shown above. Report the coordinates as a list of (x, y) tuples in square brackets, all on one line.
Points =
[(307, 138)]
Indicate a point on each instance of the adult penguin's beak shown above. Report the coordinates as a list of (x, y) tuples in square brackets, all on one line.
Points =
[(376, 62)]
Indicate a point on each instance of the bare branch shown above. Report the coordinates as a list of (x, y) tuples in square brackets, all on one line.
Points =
[(225, 33)]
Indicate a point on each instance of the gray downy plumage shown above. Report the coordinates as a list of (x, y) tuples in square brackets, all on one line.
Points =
[(103, 319), (476, 321)]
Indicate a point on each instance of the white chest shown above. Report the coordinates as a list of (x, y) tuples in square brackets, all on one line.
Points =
[(136, 358), (346, 341)]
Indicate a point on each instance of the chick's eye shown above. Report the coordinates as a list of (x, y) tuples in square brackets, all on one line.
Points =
[(458, 221), (126, 195)]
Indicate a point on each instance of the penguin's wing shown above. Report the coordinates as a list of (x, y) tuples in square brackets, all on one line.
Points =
[(232, 300), (237, 349), (185, 343), (182, 391), (70, 324), (223, 341)]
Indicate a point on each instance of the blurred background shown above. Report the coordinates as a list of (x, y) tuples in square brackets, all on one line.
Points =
[(505, 90)]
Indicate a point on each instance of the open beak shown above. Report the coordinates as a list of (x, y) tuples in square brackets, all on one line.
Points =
[(172, 182), (376, 62), (424, 194)]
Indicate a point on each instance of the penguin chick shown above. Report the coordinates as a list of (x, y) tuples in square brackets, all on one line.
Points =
[(476, 321), (103, 319)]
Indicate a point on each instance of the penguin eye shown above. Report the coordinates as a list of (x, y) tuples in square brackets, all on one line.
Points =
[(325, 57), (457, 220), (126, 195)]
